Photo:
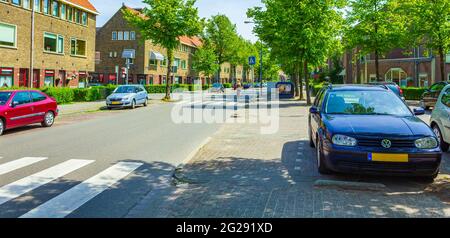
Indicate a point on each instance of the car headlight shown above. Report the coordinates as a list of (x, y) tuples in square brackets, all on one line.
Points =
[(426, 143), (126, 99), (344, 140)]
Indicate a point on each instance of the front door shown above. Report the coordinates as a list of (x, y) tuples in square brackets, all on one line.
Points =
[(36, 79), (20, 110), (23, 78)]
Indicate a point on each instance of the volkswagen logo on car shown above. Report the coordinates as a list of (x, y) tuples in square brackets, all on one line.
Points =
[(386, 143)]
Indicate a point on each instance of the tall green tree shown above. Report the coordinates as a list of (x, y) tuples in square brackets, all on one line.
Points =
[(374, 27), (429, 24), (164, 22), (223, 37), (300, 32), (205, 61)]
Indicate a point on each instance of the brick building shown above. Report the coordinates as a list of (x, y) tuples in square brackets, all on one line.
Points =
[(63, 50), (416, 67), (117, 38)]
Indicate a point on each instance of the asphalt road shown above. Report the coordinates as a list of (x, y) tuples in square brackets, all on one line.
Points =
[(97, 165)]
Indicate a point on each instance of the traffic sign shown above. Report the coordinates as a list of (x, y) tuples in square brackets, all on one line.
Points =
[(252, 60)]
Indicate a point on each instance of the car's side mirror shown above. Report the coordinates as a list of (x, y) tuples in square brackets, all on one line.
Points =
[(14, 103), (419, 111), (313, 110)]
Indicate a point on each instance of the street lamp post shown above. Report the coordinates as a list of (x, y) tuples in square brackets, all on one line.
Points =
[(260, 60)]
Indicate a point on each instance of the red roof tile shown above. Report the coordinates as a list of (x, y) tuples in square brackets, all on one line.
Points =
[(84, 4)]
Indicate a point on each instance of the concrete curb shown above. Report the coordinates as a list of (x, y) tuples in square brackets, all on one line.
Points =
[(349, 185), (191, 155)]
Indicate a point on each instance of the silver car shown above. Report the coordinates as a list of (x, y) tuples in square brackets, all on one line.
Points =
[(127, 96), (440, 118)]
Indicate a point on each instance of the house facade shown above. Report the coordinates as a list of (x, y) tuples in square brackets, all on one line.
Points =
[(149, 62), (117, 39), (415, 67), (54, 38)]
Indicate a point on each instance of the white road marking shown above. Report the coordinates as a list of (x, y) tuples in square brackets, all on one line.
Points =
[(298, 160), (297, 168), (20, 163), (22, 186), (299, 153), (75, 197)]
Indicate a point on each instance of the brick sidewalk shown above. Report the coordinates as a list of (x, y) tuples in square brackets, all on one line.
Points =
[(242, 173)]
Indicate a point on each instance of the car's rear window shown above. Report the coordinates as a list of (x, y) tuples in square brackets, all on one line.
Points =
[(366, 103), (4, 97)]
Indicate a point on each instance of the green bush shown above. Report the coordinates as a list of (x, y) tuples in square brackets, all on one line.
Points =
[(61, 95), (412, 93), (227, 85)]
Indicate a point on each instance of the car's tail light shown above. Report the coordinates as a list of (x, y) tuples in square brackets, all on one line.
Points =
[(400, 90)]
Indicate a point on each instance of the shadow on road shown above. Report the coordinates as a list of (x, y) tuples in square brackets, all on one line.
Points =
[(114, 202)]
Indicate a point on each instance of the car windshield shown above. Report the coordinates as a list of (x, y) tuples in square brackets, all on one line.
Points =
[(4, 97), (366, 103), (125, 89)]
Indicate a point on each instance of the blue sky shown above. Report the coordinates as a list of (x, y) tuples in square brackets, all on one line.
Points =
[(234, 9)]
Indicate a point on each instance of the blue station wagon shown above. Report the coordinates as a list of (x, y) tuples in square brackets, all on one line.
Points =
[(369, 129)]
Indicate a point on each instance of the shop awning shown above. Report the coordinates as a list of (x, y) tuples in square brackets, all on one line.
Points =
[(156, 56), (128, 54)]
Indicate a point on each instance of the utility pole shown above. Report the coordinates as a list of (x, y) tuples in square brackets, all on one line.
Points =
[(31, 73), (261, 69)]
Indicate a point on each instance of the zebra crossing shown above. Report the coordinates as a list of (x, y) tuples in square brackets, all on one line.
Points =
[(68, 201)]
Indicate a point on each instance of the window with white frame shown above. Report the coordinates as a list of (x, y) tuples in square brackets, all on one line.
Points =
[(37, 5), (26, 4), (396, 75), (16, 2), (126, 35), (8, 35), (132, 35), (53, 43), (55, 9), (114, 35), (46, 6), (63, 11), (77, 47), (120, 35)]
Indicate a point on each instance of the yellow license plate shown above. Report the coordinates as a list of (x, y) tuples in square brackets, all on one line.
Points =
[(116, 103), (378, 157)]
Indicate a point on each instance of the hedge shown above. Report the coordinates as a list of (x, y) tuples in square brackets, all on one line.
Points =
[(412, 93), (69, 95)]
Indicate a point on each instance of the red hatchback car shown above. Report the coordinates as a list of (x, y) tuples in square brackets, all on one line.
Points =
[(23, 107)]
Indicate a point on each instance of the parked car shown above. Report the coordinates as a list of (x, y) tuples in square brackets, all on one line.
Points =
[(368, 129), (392, 86), (127, 96), (247, 86), (429, 97), (24, 107), (440, 119), (217, 87)]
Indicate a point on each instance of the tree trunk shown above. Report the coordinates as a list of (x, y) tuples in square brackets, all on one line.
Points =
[(377, 65), (169, 71), (442, 63), (295, 79), (300, 75), (305, 70)]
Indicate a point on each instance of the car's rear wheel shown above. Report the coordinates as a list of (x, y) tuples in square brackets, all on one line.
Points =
[(444, 145), (322, 167), (2, 126), (49, 119)]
